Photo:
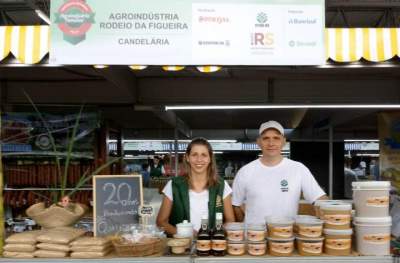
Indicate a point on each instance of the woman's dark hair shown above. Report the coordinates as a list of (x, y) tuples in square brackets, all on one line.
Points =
[(212, 167)]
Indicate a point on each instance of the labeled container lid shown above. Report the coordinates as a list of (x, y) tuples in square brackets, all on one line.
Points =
[(280, 240), (321, 202), (234, 226), (371, 185), (373, 220), (309, 221), (337, 207), (279, 221), (310, 239), (305, 216), (338, 232), (257, 227), (236, 242), (256, 242)]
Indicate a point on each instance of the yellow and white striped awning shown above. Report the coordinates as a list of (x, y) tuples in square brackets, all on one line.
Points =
[(352, 44), (29, 44)]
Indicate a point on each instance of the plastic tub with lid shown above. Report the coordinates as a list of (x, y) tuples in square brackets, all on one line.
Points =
[(309, 227), (373, 235), (184, 229), (319, 203), (256, 232), (371, 199), (281, 247), (280, 227), (257, 248), (310, 246), (234, 231), (236, 248), (336, 215), (338, 241)]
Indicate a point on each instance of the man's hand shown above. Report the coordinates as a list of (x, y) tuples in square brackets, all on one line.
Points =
[(239, 213)]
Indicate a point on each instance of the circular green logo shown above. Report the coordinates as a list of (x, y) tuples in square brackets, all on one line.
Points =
[(284, 183)]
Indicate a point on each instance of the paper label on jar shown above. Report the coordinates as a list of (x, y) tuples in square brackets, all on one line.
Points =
[(256, 249), (282, 231), (338, 244), (310, 231), (235, 235), (313, 248), (255, 235), (236, 249), (337, 220), (284, 248), (379, 201), (218, 245), (203, 245), (377, 238)]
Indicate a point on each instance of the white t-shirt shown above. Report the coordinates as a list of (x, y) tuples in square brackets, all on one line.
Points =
[(273, 191), (198, 202)]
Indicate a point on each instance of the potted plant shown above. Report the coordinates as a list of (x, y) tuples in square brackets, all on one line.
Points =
[(61, 211)]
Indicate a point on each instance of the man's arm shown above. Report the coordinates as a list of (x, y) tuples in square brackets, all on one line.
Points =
[(324, 197), (239, 213)]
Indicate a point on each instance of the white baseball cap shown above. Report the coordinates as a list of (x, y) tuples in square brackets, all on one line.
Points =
[(271, 124)]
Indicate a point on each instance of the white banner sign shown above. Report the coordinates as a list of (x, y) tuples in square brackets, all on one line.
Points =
[(188, 32)]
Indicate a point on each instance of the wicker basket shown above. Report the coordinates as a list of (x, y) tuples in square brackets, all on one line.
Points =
[(154, 246)]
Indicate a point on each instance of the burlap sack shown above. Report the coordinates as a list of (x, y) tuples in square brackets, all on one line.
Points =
[(28, 237), (9, 254), (19, 248), (90, 248), (91, 241), (55, 215), (53, 247), (61, 235), (89, 254), (41, 253)]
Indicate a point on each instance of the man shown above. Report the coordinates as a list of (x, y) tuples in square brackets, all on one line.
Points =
[(272, 185), (156, 169)]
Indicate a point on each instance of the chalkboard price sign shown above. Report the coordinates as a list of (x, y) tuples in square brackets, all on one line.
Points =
[(116, 201)]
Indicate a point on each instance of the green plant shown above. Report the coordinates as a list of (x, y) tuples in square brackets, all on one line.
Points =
[(57, 195)]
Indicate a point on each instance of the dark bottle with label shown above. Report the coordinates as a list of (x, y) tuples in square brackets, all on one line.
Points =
[(218, 240), (203, 243)]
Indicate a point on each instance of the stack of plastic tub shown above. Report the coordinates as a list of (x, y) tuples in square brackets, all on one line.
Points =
[(337, 227), (372, 221), (280, 236), (309, 235)]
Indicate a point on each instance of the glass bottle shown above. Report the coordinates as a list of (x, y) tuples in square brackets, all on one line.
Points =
[(218, 240), (203, 243)]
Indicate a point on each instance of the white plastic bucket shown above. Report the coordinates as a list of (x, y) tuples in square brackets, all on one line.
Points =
[(280, 227), (373, 235), (371, 199), (336, 215), (338, 241)]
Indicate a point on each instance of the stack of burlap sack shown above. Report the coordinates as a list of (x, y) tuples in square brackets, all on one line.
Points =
[(56, 243), (90, 247), (21, 245)]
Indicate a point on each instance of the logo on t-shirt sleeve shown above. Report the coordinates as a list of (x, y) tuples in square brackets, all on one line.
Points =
[(284, 186)]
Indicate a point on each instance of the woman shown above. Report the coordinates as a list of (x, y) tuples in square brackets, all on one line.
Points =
[(199, 192)]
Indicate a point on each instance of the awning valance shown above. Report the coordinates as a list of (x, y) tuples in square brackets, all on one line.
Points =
[(29, 44), (352, 44)]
